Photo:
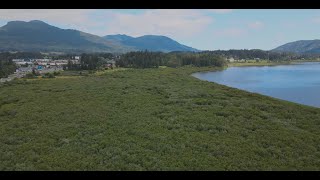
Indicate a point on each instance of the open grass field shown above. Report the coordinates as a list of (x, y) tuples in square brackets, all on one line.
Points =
[(151, 119)]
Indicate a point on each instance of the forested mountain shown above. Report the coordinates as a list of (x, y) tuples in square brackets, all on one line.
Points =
[(301, 47), (118, 37), (150, 43), (40, 36)]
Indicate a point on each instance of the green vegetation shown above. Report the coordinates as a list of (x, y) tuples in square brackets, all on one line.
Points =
[(260, 63), (48, 75), (56, 73), (145, 59), (36, 74), (219, 58), (39, 36), (151, 119), (30, 76), (150, 42), (245, 54), (301, 47), (7, 67), (270, 63), (91, 61)]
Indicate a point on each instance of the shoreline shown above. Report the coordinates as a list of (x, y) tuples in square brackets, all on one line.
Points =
[(259, 93), (266, 63)]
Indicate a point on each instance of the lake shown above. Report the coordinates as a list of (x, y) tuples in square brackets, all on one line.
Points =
[(298, 83)]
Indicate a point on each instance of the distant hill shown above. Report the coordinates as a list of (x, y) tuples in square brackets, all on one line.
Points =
[(150, 42), (301, 47), (39, 36), (118, 37)]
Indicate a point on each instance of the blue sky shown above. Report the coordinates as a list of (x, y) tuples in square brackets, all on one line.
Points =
[(205, 29)]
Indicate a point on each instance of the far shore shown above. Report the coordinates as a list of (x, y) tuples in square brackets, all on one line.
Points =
[(267, 63)]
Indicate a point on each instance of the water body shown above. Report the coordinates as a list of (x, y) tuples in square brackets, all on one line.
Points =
[(298, 83)]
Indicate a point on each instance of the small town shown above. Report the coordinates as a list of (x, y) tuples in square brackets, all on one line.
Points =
[(40, 66)]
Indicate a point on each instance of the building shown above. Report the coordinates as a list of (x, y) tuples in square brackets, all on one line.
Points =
[(112, 63), (75, 61), (109, 64), (60, 62), (45, 63), (17, 60), (230, 59), (22, 61)]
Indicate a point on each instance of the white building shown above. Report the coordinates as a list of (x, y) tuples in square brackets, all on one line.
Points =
[(60, 62), (17, 60), (42, 60), (24, 63), (230, 59)]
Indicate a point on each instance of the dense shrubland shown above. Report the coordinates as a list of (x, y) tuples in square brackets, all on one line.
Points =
[(151, 119), (145, 59)]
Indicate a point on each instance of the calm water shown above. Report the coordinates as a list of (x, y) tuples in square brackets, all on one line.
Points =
[(298, 83)]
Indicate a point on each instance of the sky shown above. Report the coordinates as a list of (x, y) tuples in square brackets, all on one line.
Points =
[(204, 29)]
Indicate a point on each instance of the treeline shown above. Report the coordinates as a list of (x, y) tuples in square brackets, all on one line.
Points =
[(147, 59), (63, 56), (141, 59), (261, 54), (21, 55), (7, 67), (90, 61)]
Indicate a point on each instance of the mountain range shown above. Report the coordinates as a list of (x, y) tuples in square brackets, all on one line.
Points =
[(39, 36), (150, 42), (301, 47)]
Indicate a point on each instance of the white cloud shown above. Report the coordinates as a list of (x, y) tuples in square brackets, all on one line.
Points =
[(178, 23), (71, 18), (53, 15), (220, 11), (256, 25), (315, 20), (171, 22)]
